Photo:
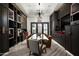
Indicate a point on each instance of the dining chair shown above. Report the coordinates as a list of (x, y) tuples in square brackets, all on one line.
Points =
[(47, 42), (27, 40)]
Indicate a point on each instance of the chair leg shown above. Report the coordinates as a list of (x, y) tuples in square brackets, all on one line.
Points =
[(45, 50), (29, 53)]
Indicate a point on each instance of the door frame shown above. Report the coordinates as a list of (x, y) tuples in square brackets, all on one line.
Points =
[(37, 26)]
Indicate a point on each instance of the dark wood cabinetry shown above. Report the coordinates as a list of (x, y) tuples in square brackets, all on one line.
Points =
[(64, 10), (51, 25), (75, 28), (54, 23), (55, 28), (68, 16), (9, 26), (74, 8), (3, 29), (62, 28), (68, 41), (4, 4), (75, 39)]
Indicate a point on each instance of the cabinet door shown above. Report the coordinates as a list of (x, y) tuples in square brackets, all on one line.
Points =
[(4, 40), (67, 38), (0, 31), (51, 25), (75, 39)]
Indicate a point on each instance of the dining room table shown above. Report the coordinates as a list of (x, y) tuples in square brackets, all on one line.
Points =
[(42, 39), (38, 37)]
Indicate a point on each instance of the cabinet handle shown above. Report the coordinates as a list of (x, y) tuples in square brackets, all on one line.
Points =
[(70, 33), (3, 30)]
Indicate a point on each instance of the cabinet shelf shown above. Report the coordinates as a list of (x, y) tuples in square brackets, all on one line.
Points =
[(74, 8), (18, 25), (12, 24), (11, 38), (74, 13), (11, 33), (18, 18), (11, 14)]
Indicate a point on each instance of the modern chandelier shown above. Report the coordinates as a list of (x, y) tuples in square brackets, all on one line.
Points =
[(39, 14)]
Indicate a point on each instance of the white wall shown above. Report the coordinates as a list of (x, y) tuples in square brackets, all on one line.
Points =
[(34, 19)]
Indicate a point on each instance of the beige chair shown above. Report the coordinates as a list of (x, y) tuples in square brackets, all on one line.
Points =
[(35, 47)]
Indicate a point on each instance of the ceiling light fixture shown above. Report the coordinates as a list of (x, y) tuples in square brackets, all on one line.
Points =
[(38, 3), (39, 14), (39, 10)]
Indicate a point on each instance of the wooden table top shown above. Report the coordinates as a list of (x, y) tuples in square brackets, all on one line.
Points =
[(34, 36)]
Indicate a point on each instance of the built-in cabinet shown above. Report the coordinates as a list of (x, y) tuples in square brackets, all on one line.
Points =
[(55, 22), (11, 31), (12, 25), (61, 25), (58, 20), (68, 34), (75, 28), (24, 22), (4, 46)]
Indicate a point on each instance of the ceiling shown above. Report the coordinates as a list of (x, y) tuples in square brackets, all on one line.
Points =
[(32, 9)]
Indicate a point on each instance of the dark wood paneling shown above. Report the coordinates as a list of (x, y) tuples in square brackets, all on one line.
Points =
[(75, 39), (4, 29), (4, 4), (50, 25), (61, 18), (64, 10), (75, 28), (54, 23), (68, 40), (5, 43), (75, 7), (0, 30)]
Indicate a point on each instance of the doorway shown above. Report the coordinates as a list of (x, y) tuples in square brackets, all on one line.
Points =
[(40, 27)]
